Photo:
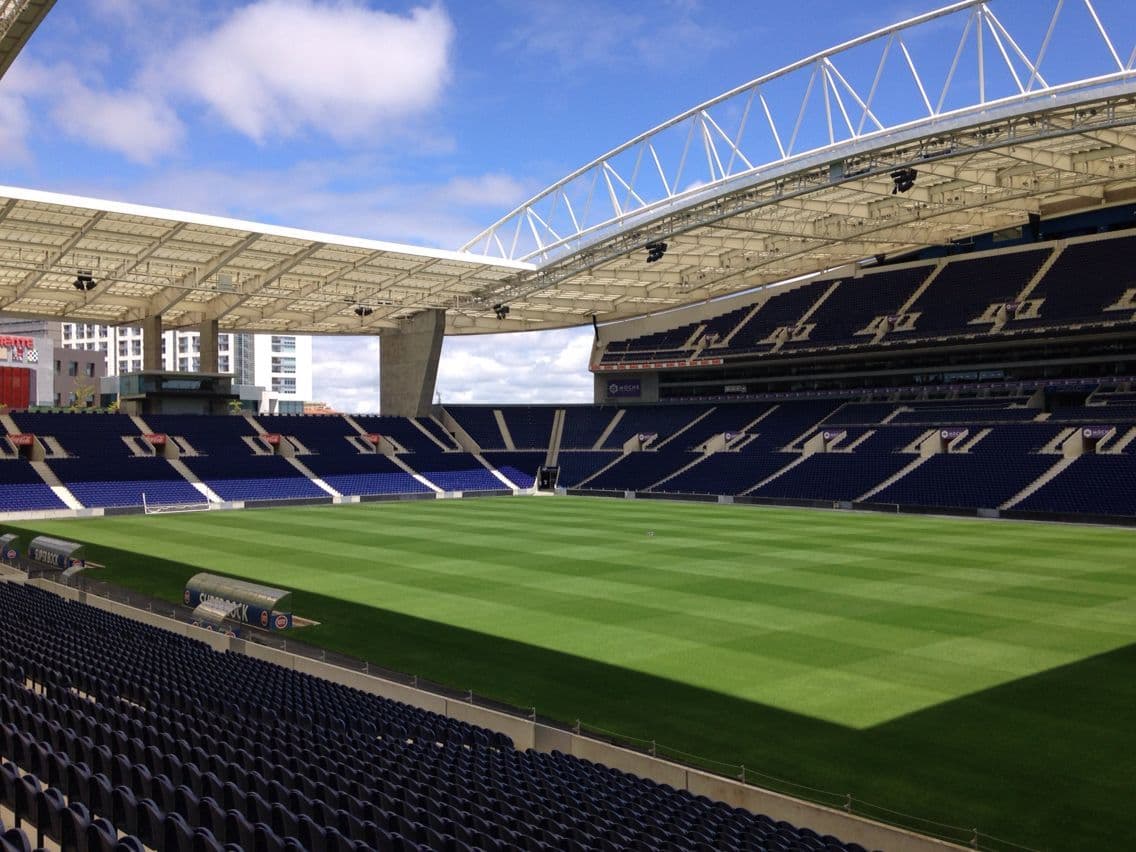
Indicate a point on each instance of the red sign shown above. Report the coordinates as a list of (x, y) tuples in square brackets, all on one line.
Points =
[(19, 342), (22, 440), (157, 439), (272, 439), (374, 439)]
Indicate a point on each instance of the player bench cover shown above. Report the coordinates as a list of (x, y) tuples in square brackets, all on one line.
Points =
[(251, 603)]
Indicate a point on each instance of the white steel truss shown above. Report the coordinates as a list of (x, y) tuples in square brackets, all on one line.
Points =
[(1008, 57), (18, 20)]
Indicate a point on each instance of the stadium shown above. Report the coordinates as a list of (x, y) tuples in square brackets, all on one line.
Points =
[(839, 558)]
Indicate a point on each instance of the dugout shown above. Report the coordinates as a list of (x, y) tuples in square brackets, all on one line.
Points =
[(9, 548), (56, 553), (215, 598)]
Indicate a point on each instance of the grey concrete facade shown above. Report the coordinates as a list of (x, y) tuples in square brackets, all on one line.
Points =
[(152, 343), (208, 351), (408, 364)]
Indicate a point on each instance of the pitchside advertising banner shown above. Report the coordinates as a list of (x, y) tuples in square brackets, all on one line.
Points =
[(1095, 433), (952, 432), (624, 388)]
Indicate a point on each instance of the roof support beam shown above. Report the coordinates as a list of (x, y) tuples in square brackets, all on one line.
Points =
[(222, 305), (193, 280), (33, 278)]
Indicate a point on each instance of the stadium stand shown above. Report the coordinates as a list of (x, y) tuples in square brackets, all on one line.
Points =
[(23, 490), (480, 424), (110, 727), (750, 449), (584, 425), (98, 468), (529, 426), (519, 467), (364, 475)]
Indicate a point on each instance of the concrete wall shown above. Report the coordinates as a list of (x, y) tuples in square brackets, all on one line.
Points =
[(408, 365)]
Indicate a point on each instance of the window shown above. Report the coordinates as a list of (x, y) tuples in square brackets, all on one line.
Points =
[(287, 366), (72, 369), (183, 345), (223, 363), (281, 385), (58, 367), (283, 344), (136, 348), (90, 370)]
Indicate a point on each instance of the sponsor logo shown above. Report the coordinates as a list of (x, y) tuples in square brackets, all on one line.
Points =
[(625, 388), (185, 597), (264, 618), (281, 621), (1096, 432)]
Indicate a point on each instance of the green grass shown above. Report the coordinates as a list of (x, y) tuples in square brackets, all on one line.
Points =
[(975, 673)]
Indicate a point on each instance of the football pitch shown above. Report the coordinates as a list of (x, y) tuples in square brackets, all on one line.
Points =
[(981, 674)]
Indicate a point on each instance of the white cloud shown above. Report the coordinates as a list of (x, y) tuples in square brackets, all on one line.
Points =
[(352, 196), (528, 367), (346, 373), (580, 34), (277, 67), (131, 123), (14, 126), (540, 366)]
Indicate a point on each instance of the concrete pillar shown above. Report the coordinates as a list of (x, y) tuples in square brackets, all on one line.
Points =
[(152, 343), (208, 332), (408, 364)]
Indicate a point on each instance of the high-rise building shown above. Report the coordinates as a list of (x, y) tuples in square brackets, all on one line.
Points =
[(281, 364)]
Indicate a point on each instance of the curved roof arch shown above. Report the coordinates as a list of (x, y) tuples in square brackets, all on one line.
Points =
[(812, 110), (999, 110)]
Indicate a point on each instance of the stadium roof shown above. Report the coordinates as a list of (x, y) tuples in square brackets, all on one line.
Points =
[(190, 268), (18, 20), (866, 149)]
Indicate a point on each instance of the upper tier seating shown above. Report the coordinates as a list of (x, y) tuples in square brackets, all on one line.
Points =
[(1084, 280), (530, 426), (966, 286), (182, 739), (480, 424), (856, 302), (584, 425), (403, 431), (783, 308), (319, 433)]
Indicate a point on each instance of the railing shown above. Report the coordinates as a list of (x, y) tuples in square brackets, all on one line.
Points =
[(909, 79)]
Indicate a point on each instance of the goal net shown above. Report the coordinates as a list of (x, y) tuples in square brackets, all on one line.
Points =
[(151, 508)]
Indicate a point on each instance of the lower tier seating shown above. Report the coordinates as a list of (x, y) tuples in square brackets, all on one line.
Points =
[(109, 723)]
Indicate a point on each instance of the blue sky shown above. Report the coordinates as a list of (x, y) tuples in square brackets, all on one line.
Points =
[(396, 121)]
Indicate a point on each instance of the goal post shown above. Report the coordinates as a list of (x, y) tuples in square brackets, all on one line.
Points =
[(150, 508)]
